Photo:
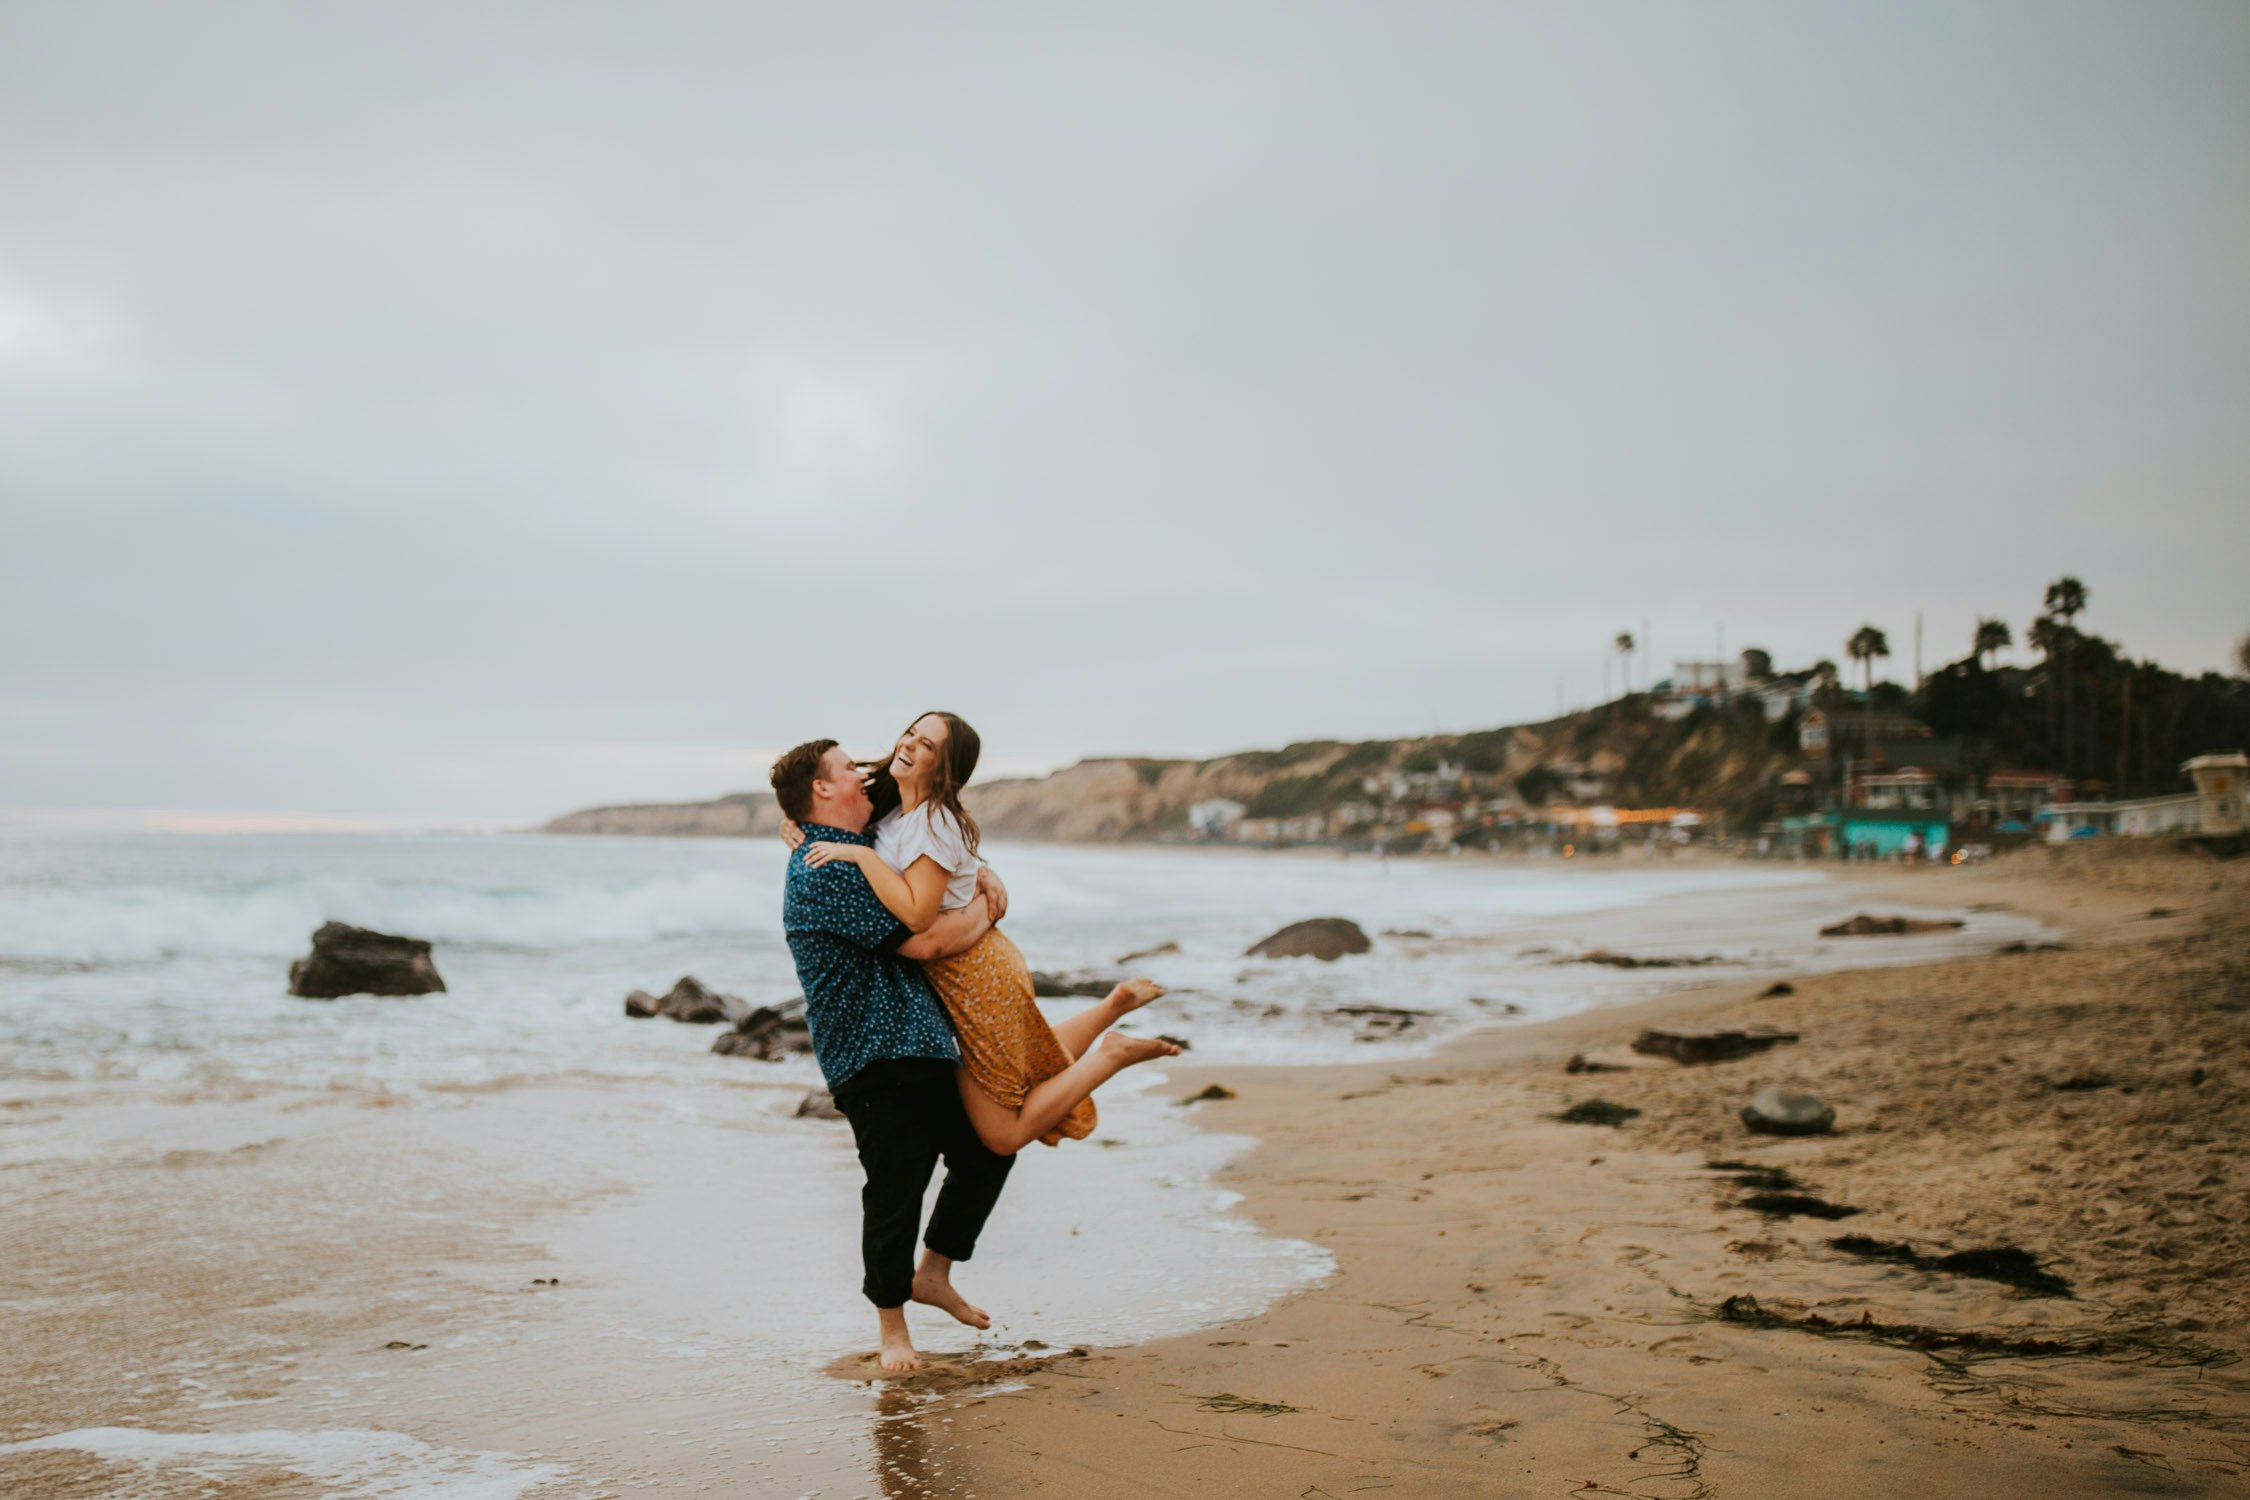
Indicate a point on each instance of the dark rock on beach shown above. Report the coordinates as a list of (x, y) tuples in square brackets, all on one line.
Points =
[(1156, 952), (1707, 1046), (1057, 986), (1777, 989), (1773, 1111), (641, 1005), (1581, 1063), (693, 1001), (347, 960), (769, 1033), (1378, 1021), (1324, 938), (1864, 925), (1611, 960)]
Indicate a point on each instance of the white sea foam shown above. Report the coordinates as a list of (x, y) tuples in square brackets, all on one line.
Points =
[(346, 1462)]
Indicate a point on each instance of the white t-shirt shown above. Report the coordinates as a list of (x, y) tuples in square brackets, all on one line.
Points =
[(904, 837)]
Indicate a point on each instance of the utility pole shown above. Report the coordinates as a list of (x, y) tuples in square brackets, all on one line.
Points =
[(1917, 651)]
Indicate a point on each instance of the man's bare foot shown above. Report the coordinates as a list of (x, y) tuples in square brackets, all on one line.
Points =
[(1137, 1049), (933, 1287), (897, 1353), (1133, 994)]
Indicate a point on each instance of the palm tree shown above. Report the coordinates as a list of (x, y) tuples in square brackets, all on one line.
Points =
[(2066, 596), (1624, 645), (1992, 636), (1865, 646), (2242, 656)]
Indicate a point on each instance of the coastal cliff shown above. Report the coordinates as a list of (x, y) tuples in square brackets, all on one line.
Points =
[(1619, 750)]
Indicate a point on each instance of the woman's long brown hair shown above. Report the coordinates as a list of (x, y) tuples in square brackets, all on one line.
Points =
[(957, 762)]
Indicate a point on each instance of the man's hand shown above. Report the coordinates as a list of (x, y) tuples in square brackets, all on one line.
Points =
[(953, 932), (995, 894)]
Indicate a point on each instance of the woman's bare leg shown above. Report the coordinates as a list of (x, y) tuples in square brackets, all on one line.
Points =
[(1007, 1131), (1078, 1033)]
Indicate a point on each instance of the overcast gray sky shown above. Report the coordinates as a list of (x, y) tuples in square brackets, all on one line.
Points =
[(484, 410)]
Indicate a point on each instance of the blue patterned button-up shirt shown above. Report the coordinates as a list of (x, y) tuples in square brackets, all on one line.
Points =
[(862, 1001)]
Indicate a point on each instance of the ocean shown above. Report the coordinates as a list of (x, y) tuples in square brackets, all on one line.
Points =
[(397, 1176)]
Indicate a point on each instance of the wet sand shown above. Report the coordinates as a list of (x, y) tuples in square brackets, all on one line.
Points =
[(1527, 1306)]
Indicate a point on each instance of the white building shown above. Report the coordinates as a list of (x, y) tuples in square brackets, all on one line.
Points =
[(1215, 817), (2215, 806)]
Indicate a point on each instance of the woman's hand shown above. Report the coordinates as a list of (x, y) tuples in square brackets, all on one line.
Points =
[(791, 834), (995, 894), (825, 853)]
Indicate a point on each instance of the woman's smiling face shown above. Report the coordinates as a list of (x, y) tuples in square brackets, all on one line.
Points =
[(914, 764)]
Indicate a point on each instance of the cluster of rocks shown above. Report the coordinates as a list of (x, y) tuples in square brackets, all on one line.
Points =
[(1607, 959), (1708, 1045), (766, 1032)]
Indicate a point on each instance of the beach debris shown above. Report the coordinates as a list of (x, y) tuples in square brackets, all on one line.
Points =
[(1777, 989), (2020, 946), (1056, 986), (818, 1105), (545, 1281), (1210, 1091), (1233, 1405), (1156, 952), (1505, 1007), (1409, 932), (1864, 925), (1797, 1206), (1608, 959), (348, 960), (403, 1344), (641, 1005), (1324, 938), (1598, 1112), (2161, 911), (1721, 1044), (1180, 1042), (1581, 1063), (1774, 1111), (1376, 1022), (1747, 1311), (1750, 1174), (2007, 1264), (693, 1001), (769, 1033), (2083, 1083)]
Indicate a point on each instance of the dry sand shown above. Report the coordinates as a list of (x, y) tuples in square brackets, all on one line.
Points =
[(1526, 1306)]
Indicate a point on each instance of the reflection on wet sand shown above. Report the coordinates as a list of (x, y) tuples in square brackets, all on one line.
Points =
[(903, 1452)]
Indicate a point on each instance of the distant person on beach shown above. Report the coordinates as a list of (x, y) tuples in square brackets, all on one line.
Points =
[(1022, 1079)]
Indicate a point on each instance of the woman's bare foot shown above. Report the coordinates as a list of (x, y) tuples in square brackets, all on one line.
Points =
[(897, 1352), (933, 1287), (1137, 1049), (1133, 994)]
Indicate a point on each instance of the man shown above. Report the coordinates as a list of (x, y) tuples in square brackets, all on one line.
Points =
[(886, 1049)]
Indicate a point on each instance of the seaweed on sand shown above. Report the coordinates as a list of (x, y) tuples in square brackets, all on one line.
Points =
[(2007, 1264), (1598, 1112)]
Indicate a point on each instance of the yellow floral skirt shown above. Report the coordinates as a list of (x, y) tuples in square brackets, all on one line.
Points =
[(1006, 1044)]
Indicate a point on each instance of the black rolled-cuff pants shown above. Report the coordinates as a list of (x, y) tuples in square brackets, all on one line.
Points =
[(906, 1114)]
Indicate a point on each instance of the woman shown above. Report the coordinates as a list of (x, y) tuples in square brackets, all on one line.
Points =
[(1022, 1080)]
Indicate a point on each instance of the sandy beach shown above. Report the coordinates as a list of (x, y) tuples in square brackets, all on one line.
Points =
[(598, 1284), (1527, 1306)]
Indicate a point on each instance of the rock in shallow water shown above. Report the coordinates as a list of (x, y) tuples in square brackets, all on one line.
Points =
[(347, 960), (1776, 1112), (693, 1001), (1324, 938), (769, 1033), (1864, 925)]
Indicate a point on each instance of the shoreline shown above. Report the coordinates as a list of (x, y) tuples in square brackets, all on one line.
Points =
[(1520, 1302)]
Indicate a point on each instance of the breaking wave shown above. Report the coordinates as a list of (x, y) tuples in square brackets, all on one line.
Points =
[(126, 924)]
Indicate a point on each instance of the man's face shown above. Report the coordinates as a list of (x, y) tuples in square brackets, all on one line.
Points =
[(843, 785)]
